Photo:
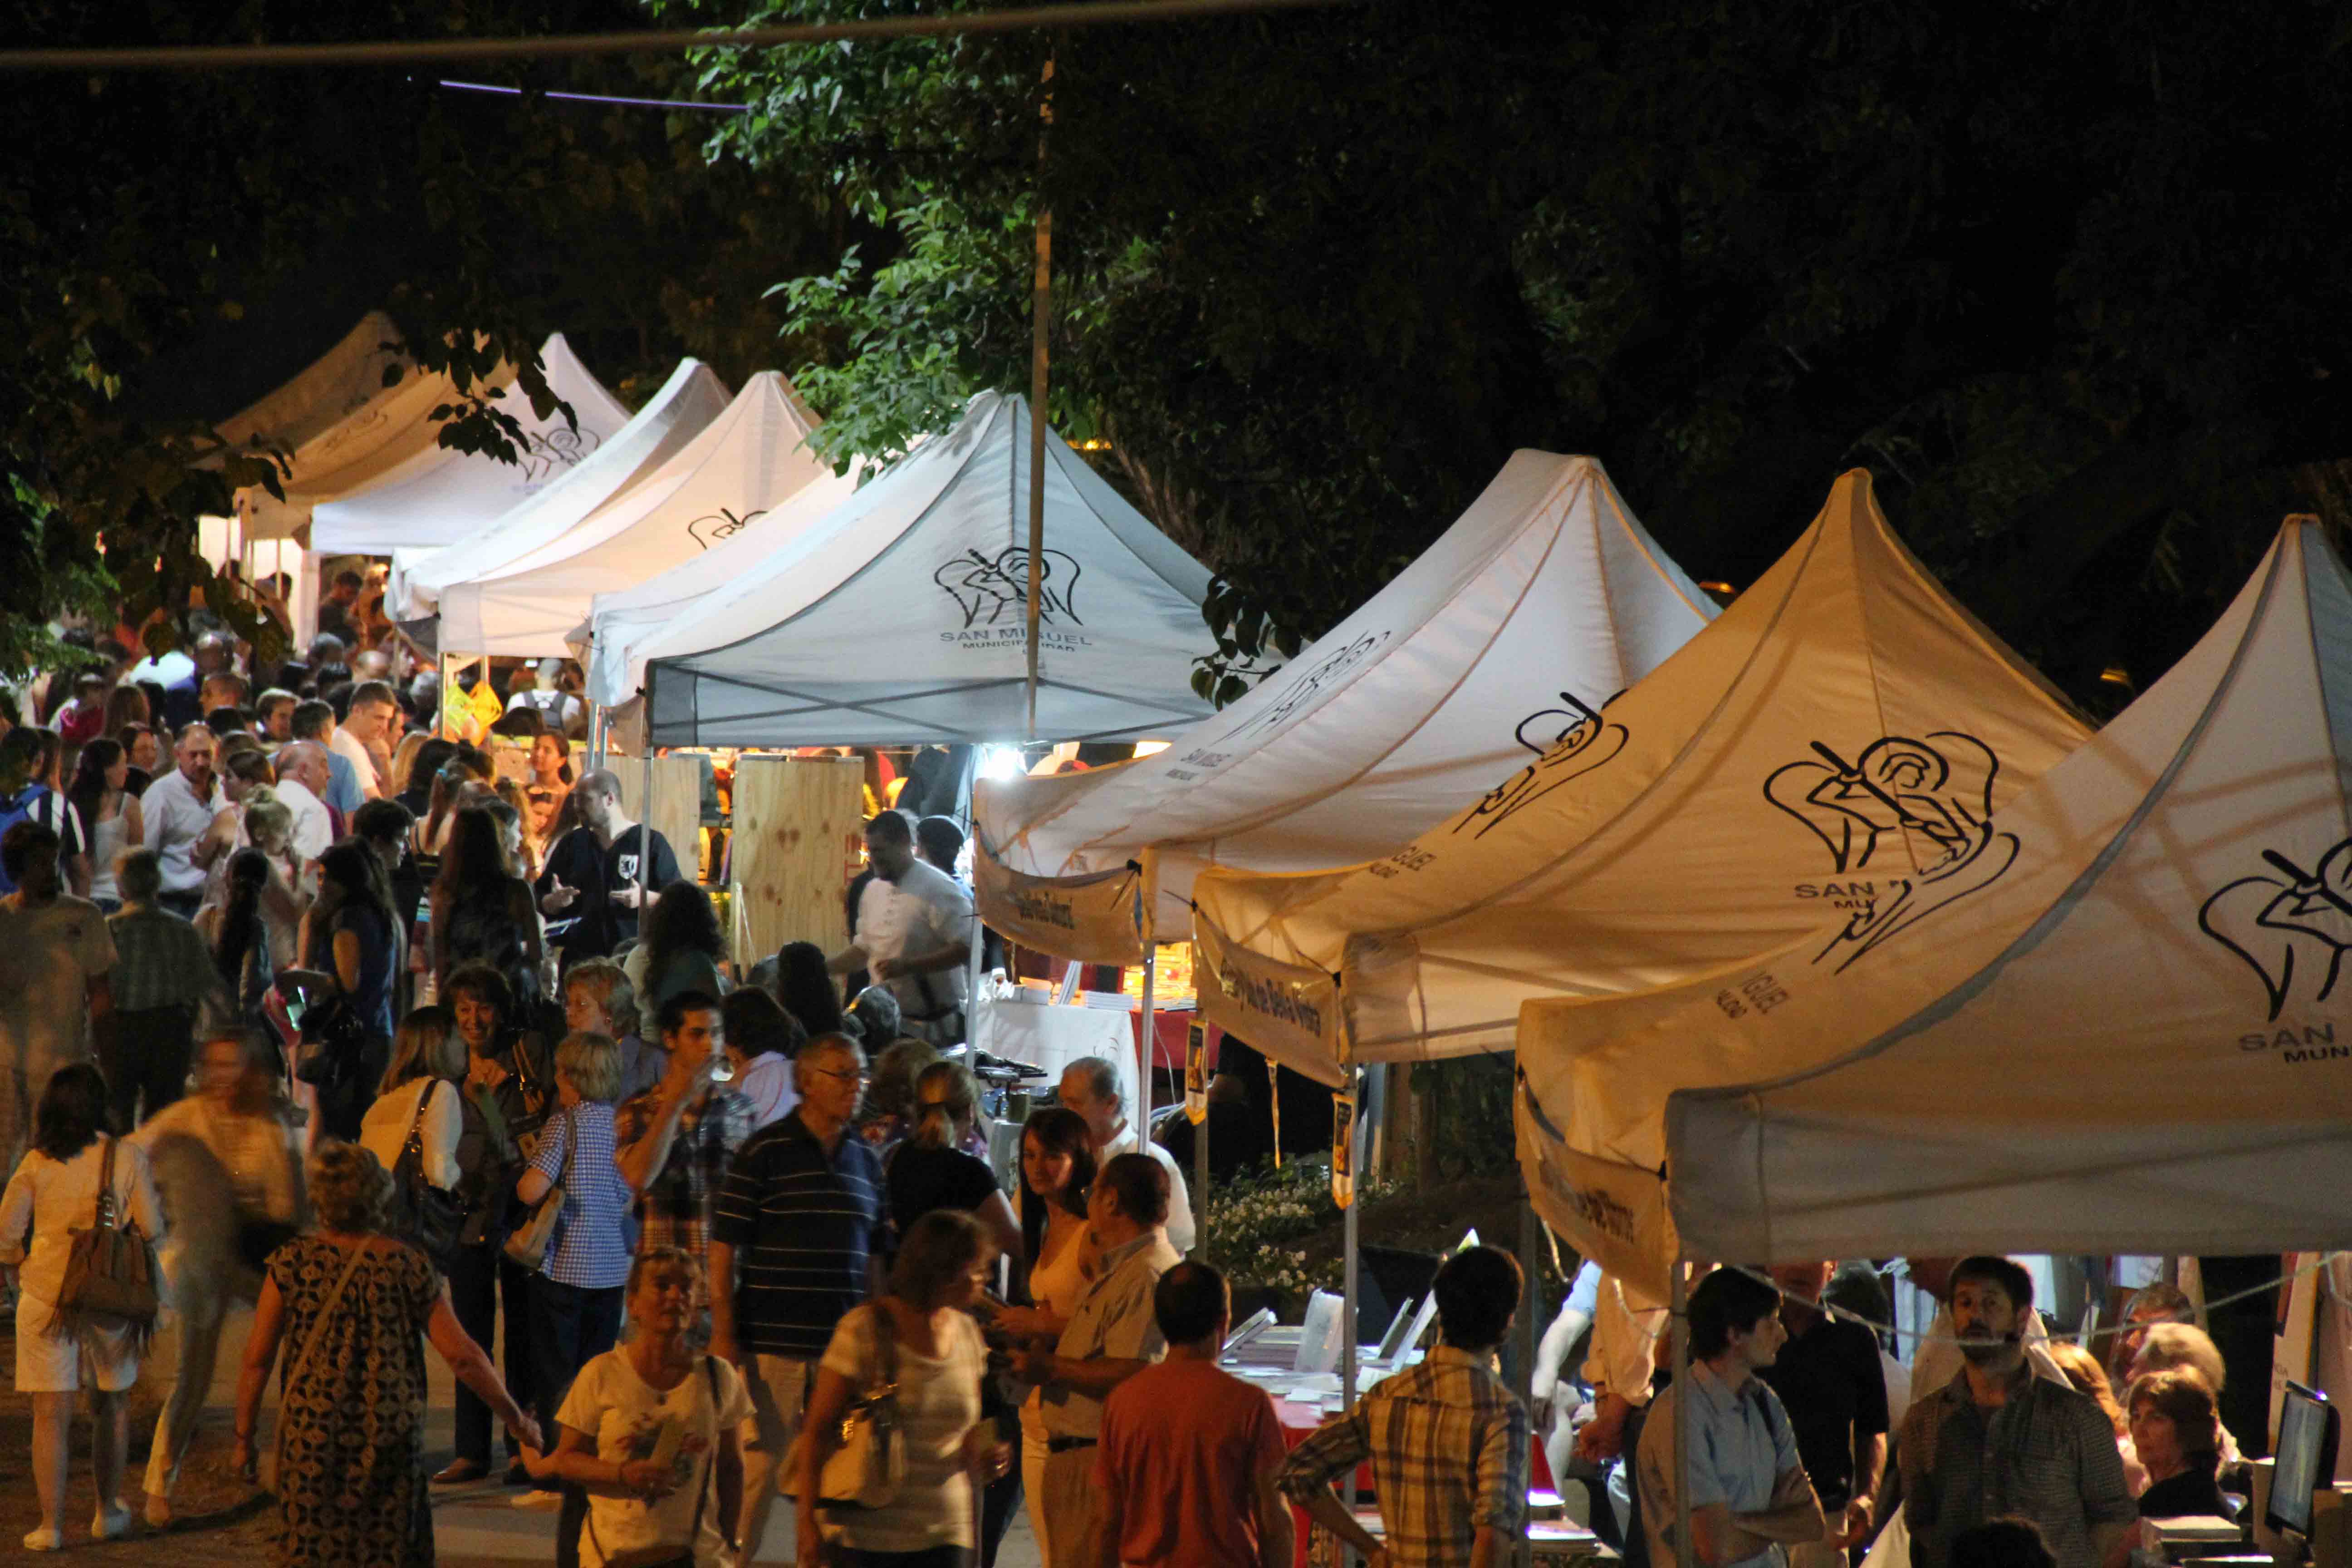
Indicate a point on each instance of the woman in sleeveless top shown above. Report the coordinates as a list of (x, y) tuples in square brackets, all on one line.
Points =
[(482, 912), (101, 793), (1057, 1168), (353, 1309)]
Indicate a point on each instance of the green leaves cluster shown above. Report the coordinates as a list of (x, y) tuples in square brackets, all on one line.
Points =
[(180, 243), (2063, 277)]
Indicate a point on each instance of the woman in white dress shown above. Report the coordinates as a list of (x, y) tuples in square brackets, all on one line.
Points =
[(54, 1193)]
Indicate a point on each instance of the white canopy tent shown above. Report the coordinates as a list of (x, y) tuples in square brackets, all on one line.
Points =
[(2134, 1041), (1545, 599), (325, 393), (438, 497), (755, 454), (1834, 743), (620, 621), (686, 403), (331, 393), (899, 617)]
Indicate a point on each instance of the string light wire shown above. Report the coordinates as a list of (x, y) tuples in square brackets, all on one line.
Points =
[(414, 51)]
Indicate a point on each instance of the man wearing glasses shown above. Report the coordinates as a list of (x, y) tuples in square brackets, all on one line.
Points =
[(795, 1242)]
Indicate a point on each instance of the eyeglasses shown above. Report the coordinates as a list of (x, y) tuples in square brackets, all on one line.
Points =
[(837, 1073)]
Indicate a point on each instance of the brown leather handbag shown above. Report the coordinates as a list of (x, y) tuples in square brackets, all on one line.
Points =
[(110, 1270)]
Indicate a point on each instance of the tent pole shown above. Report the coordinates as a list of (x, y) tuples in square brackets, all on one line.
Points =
[(1146, 1021), (646, 832), (971, 972), (1201, 1178), (1041, 300), (1523, 1550), (597, 721), (1348, 1308), (1679, 1303)]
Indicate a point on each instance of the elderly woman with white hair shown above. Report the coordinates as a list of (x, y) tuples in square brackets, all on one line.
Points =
[(576, 1297)]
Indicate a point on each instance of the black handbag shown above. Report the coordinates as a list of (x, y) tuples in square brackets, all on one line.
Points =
[(428, 1217), (333, 1035)]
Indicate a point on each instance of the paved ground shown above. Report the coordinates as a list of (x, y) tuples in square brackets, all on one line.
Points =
[(225, 1524)]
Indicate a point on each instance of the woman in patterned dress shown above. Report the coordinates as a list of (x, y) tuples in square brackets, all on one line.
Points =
[(351, 1474)]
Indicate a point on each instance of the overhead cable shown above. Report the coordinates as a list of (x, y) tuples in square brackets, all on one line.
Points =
[(413, 51)]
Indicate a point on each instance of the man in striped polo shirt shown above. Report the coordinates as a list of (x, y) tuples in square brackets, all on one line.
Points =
[(795, 1242)]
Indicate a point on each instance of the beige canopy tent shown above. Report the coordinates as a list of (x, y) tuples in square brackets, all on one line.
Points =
[(1832, 744), (1545, 598), (2135, 1040), (389, 437), (325, 393)]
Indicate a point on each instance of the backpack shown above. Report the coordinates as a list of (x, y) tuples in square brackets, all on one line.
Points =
[(15, 809)]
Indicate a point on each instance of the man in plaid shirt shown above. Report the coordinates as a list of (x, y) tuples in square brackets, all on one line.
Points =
[(1447, 1440), (2009, 1437), (677, 1138)]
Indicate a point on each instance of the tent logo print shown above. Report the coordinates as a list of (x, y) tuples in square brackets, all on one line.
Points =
[(562, 448), (2290, 927), (1932, 797), (718, 527), (1300, 692), (1565, 751), (993, 592)]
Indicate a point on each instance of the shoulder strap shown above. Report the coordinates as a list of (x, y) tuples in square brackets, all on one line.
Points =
[(416, 1123), (710, 1465), (106, 1215), (318, 1331)]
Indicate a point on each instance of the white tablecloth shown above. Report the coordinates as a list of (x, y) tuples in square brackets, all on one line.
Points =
[(1052, 1037)]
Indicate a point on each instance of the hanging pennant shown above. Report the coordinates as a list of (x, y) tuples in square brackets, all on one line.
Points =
[(1343, 1149), (1196, 1073), (1273, 1097)]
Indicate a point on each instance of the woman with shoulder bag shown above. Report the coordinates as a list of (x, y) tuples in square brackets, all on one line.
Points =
[(355, 1310), (508, 1081), (421, 1105), (920, 1339), (74, 1165), (354, 941), (576, 1294), (651, 1432)]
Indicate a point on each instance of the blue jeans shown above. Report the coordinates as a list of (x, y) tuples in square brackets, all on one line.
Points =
[(569, 1326)]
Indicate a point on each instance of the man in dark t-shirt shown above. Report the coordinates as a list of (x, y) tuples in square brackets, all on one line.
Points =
[(1829, 1382), (588, 890)]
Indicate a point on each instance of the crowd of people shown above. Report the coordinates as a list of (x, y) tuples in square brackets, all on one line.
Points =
[(1808, 1441), (401, 1052)]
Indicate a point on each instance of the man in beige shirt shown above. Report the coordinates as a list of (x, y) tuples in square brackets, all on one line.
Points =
[(1113, 1334)]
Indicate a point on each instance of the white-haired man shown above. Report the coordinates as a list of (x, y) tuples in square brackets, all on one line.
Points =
[(1090, 1087)]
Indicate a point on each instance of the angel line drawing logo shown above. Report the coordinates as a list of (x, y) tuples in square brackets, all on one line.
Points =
[(1326, 672), (1931, 799), (1569, 742), (989, 591), (2290, 929), (560, 447), (718, 527)]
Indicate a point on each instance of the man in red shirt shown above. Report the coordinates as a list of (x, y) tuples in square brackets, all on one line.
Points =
[(1188, 1455)]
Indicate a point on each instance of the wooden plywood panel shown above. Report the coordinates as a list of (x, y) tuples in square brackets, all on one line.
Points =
[(676, 810), (799, 834)]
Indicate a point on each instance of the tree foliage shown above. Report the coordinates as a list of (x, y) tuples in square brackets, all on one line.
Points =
[(2063, 276), (179, 243)]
